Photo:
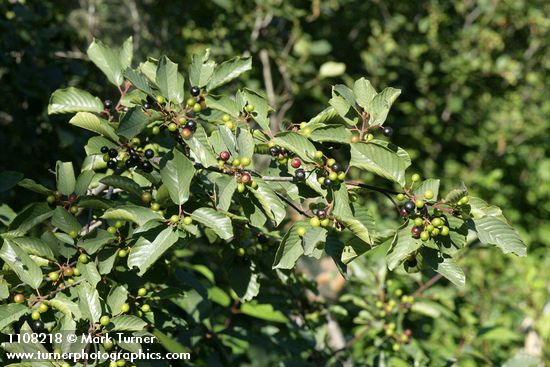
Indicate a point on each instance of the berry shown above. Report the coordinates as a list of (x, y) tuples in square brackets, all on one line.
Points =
[(186, 133), (53, 276), (145, 308), (104, 149), (142, 292), (43, 308), (124, 308), (111, 164), (301, 231), (300, 174), (314, 222), (187, 220), (246, 178), (434, 232), (387, 131), (342, 176), (408, 333), (327, 182), (318, 154), (226, 118), (322, 213), (73, 234), (355, 139), (76, 272), (122, 253), (296, 163), (424, 235), (416, 231), (108, 103), (38, 325), (419, 203), (369, 137), (74, 209), (415, 177), (396, 347), (160, 100), (230, 125), (195, 91), (336, 167), (35, 315), (146, 166), (190, 102), (224, 156), (68, 272), (403, 212), (197, 107), (333, 176), (428, 194), (155, 207), (274, 151), (113, 153), (325, 222), (111, 230), (172, 127), (437, 222), (241, 187), (245, 161), (146, 105), (430, 227), (400, 197), (155, 130), (149, 153), (174, 219), (444, 231), (146, 197), (409, 206), (135, 141), (191, 124), (19, 298), (104, 320), (331, 162), (50, 199), (119, 224), (249, 108), (241, 251)]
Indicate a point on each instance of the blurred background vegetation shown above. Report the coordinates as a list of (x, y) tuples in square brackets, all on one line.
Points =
[(475, 80)]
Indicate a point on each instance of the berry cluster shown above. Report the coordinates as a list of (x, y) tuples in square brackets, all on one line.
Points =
[(183, 129), (331, 174), (236, 167), (278, 152), (128, 157), (69, 203)]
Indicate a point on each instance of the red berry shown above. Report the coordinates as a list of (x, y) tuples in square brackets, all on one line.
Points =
[(186, 133), (416, 231), (296, 163), (245, 178), (408, 332), (224, 156)]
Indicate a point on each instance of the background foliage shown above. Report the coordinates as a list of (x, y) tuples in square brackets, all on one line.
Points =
[(474, 77)]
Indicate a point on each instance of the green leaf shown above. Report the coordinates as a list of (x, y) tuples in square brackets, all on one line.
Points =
[(378, 160), (224, 104), (9, 179), (402, 153), (493, 231), (107, 60), (228, 71), (273, 207), (62, 303), (263, 311), (169, 343), (214, 220), (144, 253), (444, 265), (169, 81), (328, 114), (289, 251), (91, 122), (133, 213), (245, 143), (28, 218), (313, 238), (65, 220), (95, 240), (11, 312), (403, 245), (138, 80), (226, 194), (64, 173), (32, 185), (429, 184), (34, 246), (332, 133), (244, 281), (332, 69), (124, 183), (380, 105), (127, 323), (456, 194), (261, 107), (297, 144), (89, 302), (89, 273), (21, 264), (364, 92), (177, 171), (357, 227), (72, 99), (201, 148), (133, 122), (201, 69), (479, 208), (126, 53), (83, 182), (341, 202), (116, 298)]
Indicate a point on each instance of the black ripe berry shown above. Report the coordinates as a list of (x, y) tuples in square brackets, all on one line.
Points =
[(191, 125), (149, 153), (322, 213), (274, 151), (146, 166), (130, 163), (283, 151), (387, 131), (336, 167), (262, 238), (224, 156), (300, 174), (327, 182), (38, 325), (409, 206), (104, 149), (108, 103), (403, 212), (195, 91), (147, 105), (111, 164), (113, 153)]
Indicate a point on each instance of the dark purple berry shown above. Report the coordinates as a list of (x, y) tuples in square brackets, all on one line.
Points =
[(327, 182), (300, 174), (112, 164), (416, 231), (195, 91), (403, 212), (262, 238), (147, 105), (108, 103), (191, 125), (149, 153), (38, 325), (409, 206), (146, 166), (104, 149), (113, 153), (274, 151), (322, 213), (336, 167), (387, 131)]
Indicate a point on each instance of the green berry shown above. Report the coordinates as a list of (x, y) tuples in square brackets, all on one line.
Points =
[(444, 231), (230, 125), (396, 347), (187, 220), (226, 118), (122, 253), (76, 272), (245, 161), (73, 234), (35, 315), (146, 197), (430, 227), (418, 221), (172, 127), (160, 99), (415, 177), (174, 219), (400, 197), (135, 141), (43, 308), (315, 222), (121, 363), (146, 308), (241, 251), (111, 230), (50, 199), (108, 345), (321, 180), (331, 161), (333, 176), (197, 107), (369, 137), (104, 320), (434, 232), (437, 222), (241, 187), (119, 224), (301, 231), (249, 108), (325, 222), (424, 235), (236, 162), (465, 200), (428, 194), (419, 203), (155, 130), (53, 276), (318, 154), (342, 176), (142, 292), (155, 207)]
